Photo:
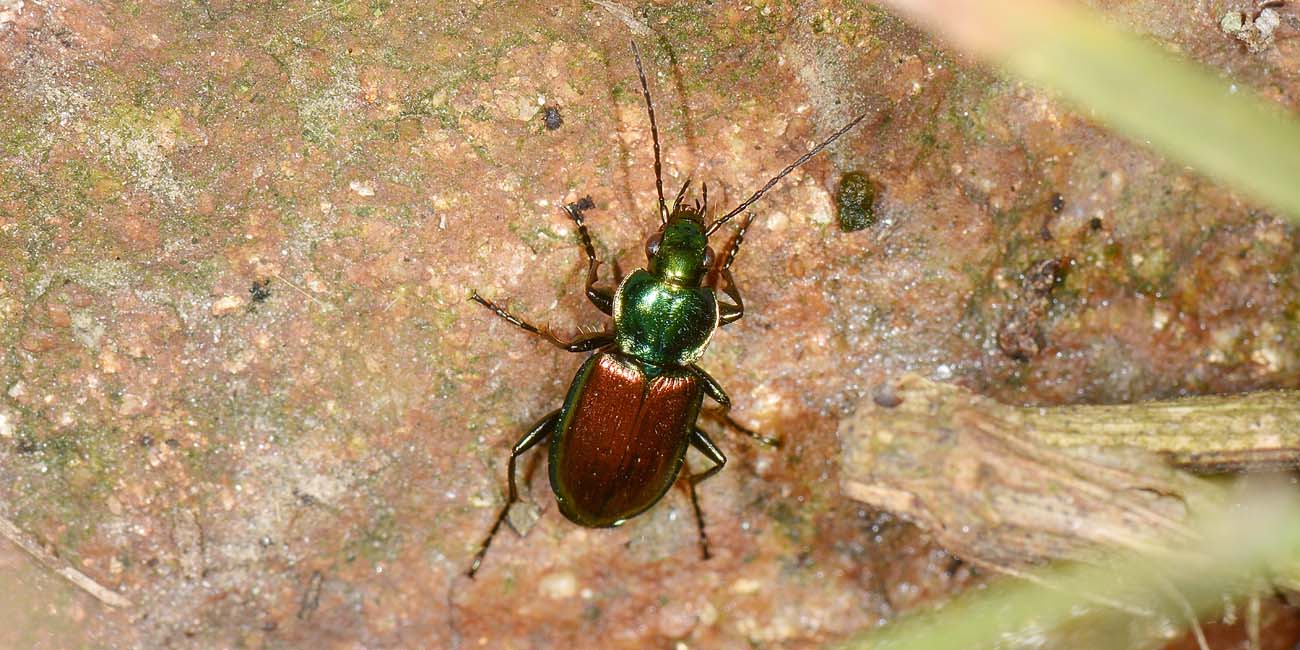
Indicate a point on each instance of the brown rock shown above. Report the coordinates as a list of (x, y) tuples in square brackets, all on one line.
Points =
[(38, 341), (228, 305)]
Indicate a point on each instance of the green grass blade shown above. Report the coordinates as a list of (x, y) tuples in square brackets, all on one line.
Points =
[(1254, 538), (1135, 87)]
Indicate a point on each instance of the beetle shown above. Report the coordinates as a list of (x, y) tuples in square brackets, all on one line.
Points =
[(619, 441)]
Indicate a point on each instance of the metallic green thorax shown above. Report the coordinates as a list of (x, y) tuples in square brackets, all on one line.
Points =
[(663, 316), (679, 257)]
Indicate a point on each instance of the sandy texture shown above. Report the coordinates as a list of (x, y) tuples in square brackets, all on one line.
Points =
[(241, 384)]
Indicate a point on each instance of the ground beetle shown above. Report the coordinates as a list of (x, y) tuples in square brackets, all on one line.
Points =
[(619, 442)]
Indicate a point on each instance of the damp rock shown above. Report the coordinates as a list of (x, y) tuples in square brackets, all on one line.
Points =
[(1020, 334), (362, 188), (227, 305), (558, 586), (523, 516), (1255, 32), (7, 422)]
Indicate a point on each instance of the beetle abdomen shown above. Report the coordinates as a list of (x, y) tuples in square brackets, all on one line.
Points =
[(621, 438)]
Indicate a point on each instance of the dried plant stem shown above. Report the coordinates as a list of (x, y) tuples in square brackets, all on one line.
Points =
[(56, 564), (1015, 486), (1011, 488), (1241, 432)]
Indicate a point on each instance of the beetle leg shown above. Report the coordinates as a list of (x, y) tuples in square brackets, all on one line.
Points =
[(733, 312), (725, 418), (729, 314), (736, 241), (712, 388), (603, 299), (583, 343), (618, 273), (700, 441), (538, 433)]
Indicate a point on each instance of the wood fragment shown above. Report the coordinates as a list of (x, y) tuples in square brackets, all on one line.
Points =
[(1255, 431), (624, 14), (1016, 487)]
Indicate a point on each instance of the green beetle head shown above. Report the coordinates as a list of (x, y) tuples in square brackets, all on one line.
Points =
[(680, 251)]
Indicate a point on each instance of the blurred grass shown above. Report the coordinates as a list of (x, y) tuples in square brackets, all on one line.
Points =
[(1251, 539), (1223, 130), (1132, 85)]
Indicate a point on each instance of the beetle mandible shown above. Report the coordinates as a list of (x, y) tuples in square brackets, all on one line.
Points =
[(619, 441)]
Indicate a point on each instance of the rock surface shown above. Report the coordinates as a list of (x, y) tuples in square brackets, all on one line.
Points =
[(242, 385)]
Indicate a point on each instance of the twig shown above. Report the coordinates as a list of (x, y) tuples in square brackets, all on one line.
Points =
[(622, 13), (1255, 431), (392, 302), (61, 567), (328, 7), (1010, 487), (324, 305)]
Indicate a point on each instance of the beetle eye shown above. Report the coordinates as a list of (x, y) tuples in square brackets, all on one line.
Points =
[(652, 245)]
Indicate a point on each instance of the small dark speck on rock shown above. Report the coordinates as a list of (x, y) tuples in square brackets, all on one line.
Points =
[(304, 498), (260, 290), (582, 204), (172, 442), (551, 117), (1095, 223), (1058, 202)]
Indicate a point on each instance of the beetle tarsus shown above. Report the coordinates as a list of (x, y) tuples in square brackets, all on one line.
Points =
[(722, 416), (699, 519), (581, 343), (482, 551), (728, 314), (603, 299), (736, 241), (535, 435), (509, 317), (701, 442)]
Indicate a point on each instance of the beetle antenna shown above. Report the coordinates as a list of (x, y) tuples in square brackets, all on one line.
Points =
[(704, 191), (654, 134), (791, 167)]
